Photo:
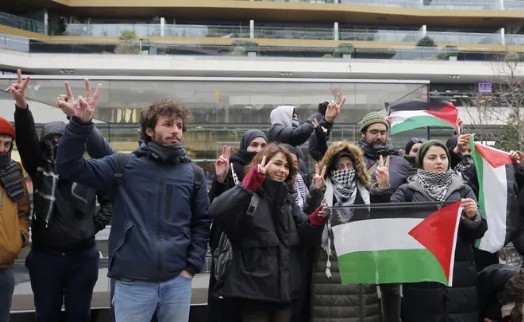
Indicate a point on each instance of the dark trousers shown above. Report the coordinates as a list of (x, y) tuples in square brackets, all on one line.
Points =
[(66, 279), (7, 286), (256, 311)]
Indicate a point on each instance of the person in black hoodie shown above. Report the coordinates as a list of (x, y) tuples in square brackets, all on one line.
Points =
[(229, 171), (63, 262)]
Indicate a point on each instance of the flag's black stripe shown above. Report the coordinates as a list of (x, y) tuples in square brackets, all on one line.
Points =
[(418, 105), (388, 210)]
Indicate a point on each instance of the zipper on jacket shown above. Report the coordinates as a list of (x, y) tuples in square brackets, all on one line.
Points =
[(158, 222), (168, 201)]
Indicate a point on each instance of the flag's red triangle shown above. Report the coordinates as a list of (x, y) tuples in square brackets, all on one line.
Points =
[(437, 233), (447, 114), (494, 157)]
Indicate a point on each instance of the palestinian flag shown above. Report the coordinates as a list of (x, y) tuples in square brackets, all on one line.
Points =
[(415, 114), (399, 243), (497, 195)]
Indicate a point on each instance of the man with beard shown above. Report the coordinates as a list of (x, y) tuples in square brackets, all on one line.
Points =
[(375, 143), (160, 226)]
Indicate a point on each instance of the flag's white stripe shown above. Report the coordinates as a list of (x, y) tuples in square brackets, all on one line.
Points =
[(375, 235), (495, 205), (400, 116)]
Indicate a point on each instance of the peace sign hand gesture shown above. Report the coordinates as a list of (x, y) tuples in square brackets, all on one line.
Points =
[(318, 180), (333, 109), (85, 107), (222, 164), (18, 89), (382, 173), (66, 102), (262, 167)]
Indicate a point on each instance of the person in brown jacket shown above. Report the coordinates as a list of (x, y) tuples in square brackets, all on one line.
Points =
[(14, 216)]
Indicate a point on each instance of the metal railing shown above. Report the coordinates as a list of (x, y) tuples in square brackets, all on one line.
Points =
[(21, 22)]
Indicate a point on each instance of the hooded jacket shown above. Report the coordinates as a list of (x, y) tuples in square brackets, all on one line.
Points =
[(160, 224), (330, 300), (282, 129), (73, 222), (431, 301)]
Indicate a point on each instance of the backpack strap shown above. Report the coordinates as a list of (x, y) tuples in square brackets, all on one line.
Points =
[(198, 179), (121, 160)]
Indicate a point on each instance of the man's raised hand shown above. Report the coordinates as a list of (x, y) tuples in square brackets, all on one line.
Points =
[(18, 89)]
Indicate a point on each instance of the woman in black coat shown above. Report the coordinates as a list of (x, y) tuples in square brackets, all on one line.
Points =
[(436, 182), (266, 229), (229, 171)]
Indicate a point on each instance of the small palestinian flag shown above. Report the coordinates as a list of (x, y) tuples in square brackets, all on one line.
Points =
[(415, 114), (497, 195), (399, 243)]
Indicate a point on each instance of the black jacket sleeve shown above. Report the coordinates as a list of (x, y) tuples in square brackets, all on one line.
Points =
[(103, 215), (27, 140), (229, 209), (97, 145), (294, 136)]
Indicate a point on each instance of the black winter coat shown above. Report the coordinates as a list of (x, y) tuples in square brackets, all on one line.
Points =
[(265, 243), (431, 301)]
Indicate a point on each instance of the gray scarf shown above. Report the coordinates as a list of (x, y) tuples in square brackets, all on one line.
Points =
[(169, 153), (435, 184)]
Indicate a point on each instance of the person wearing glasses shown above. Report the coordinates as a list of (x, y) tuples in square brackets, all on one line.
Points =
[(375, 143)]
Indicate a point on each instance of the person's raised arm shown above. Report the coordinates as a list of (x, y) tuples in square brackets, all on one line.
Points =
[(26, 138)]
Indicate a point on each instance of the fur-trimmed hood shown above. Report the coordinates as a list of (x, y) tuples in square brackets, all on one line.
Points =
[(336, 148)]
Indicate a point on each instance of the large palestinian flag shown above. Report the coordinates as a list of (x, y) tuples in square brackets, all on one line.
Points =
[(497, 195), (398, 243), (415, 114)]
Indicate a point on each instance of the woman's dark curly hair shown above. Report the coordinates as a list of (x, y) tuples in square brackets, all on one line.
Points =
[(165, 107), (269, 152)]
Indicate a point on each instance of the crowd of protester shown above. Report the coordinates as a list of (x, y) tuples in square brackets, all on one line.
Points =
[(265, 219)]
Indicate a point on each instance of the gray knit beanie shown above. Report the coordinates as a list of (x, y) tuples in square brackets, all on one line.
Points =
[(372, 118)]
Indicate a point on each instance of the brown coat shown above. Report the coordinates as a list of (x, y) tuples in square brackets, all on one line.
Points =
[(14, 226)]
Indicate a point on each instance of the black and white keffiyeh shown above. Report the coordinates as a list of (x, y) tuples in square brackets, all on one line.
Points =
[(435, 184), (302, 190), (342, 186), (465, 167)]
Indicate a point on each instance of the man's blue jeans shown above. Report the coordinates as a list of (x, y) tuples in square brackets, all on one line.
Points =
[(7, 286), (137, 301)]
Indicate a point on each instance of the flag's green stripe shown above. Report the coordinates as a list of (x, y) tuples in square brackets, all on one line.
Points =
[(418, 122), (390, 266)]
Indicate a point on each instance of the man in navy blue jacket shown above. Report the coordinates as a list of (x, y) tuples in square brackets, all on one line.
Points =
[(160, 225)]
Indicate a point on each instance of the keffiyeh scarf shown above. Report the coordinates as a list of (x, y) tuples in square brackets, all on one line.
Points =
[(435, 184), (342, 186)]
